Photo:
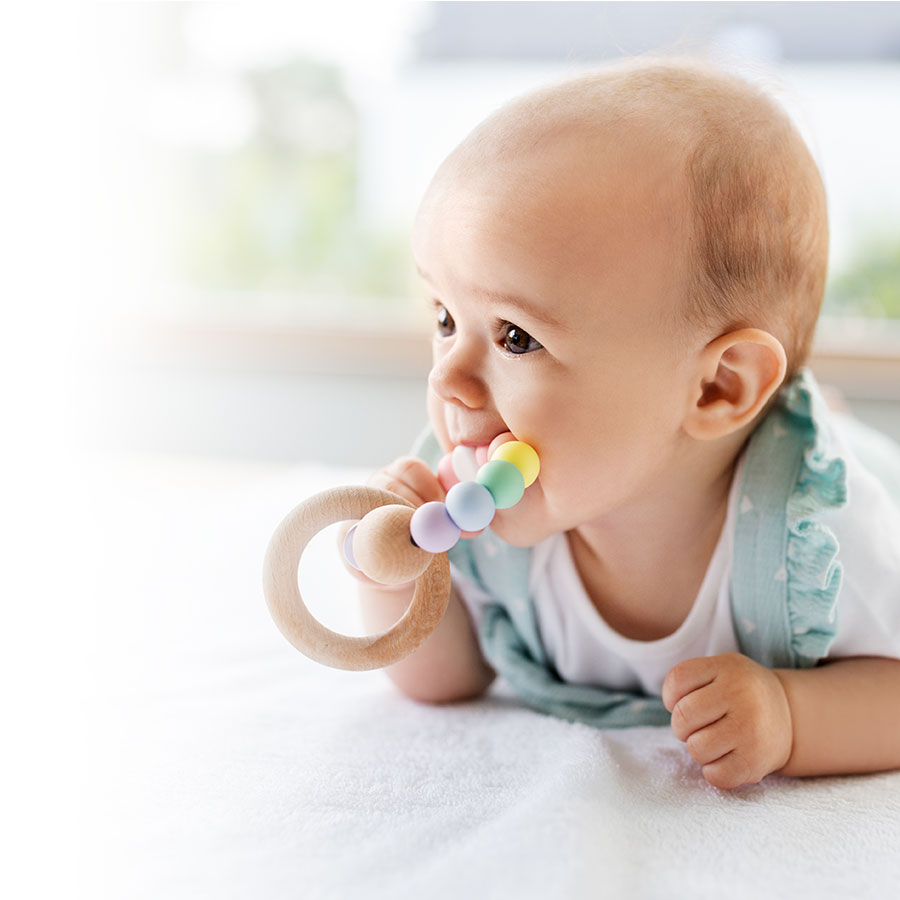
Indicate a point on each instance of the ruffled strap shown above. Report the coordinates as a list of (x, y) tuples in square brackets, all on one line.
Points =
[(786, 575)]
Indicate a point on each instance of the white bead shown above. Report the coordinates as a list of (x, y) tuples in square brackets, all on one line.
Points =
[(464, 463)]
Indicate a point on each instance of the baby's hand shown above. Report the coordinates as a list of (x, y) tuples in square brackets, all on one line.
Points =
[(411, 479), (733, 715), (414, 481)]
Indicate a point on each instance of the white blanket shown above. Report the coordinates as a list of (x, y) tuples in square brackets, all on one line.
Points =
[(228, 765)]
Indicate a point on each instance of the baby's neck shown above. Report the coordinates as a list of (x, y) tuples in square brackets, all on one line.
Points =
[(644, 578)]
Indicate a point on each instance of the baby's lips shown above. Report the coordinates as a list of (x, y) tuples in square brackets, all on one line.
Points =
[(446, 476), (498, 441), (484, 452)]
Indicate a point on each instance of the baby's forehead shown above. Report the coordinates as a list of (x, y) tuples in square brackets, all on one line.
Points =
[(574, 170), (569, 211)]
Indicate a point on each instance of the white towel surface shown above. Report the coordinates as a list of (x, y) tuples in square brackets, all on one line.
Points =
[(227, 765)]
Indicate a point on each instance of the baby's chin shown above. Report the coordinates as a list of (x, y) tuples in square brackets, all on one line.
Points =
[(518, 531)]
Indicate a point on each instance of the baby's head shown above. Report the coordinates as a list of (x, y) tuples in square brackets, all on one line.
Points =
[(627, 264)]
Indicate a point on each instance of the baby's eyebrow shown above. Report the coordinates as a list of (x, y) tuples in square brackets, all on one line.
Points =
[(533, 309)]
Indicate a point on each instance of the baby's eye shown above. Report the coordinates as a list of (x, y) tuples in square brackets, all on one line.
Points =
[(446, 325), (517, 341)]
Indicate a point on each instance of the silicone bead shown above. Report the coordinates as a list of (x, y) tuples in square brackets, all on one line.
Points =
[(470, 505), (348, 547), (446, 475), (504, 481), (481, 455), (432, 529), (523, 456), (464, 463)]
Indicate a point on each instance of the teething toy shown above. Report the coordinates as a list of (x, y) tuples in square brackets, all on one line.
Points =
[(392, 543)]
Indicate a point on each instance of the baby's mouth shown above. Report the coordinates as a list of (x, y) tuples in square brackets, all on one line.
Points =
[(484, 446), (467, 455), (503, 438)]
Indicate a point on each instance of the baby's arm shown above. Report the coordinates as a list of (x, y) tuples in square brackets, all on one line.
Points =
[(742, 721), (448, 665), (846, 716)]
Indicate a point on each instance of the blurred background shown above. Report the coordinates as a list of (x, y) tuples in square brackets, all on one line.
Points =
[(232, 186), (254, 170)]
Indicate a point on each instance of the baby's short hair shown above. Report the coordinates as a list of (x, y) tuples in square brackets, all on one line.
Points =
[(758, 229)]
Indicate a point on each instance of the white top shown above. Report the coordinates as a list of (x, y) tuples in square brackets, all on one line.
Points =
[(584, 649)]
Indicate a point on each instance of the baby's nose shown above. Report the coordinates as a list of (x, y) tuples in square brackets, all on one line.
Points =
[(454, 378)]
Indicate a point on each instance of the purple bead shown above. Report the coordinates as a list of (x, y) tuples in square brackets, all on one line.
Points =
[(432, 529), (348, 548), (470, 505)]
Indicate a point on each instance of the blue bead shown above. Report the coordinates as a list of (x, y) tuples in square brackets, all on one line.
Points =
[(470, 505)]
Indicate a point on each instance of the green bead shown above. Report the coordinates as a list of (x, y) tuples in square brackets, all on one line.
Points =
[(523, 456), (504, 480)]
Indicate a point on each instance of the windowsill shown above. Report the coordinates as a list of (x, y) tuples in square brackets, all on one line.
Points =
[(860, 358)]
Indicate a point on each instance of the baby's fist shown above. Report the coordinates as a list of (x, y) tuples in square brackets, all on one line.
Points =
[(411, 479), (733, 715), (414, 481)]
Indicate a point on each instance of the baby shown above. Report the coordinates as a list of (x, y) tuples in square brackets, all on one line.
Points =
[(626, 271)]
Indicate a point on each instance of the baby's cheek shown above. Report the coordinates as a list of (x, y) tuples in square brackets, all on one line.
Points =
[(527, 523), (521, 532), (436, 419), (574, 492)]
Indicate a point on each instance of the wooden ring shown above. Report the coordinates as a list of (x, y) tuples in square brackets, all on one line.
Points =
[(307, 633)]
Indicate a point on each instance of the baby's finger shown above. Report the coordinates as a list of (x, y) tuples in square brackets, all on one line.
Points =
[(687, 676), (411, 479), (730, 771), (697, 710), (713, 742)]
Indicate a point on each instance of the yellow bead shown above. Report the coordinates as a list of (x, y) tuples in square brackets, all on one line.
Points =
[(522, 456)]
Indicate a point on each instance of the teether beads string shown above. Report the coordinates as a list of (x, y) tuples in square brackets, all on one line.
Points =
[(388, 550)]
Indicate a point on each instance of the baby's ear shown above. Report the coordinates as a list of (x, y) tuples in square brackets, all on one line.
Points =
[(736, 375)]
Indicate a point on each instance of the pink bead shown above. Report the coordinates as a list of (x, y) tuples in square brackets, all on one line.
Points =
[(432, 529), (481, 454), (446, 475)]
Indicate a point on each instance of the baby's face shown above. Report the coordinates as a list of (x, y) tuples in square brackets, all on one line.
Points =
[(554, 284)]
